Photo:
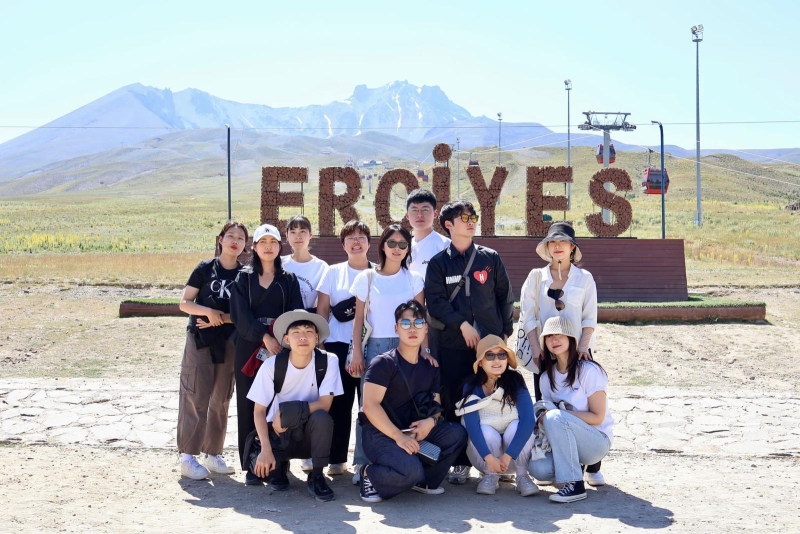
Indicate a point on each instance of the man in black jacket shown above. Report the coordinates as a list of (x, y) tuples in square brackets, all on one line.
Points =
[(483, 304)]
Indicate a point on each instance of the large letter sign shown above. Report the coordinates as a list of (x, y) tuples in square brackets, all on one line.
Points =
[(330, 201), (536, 203)]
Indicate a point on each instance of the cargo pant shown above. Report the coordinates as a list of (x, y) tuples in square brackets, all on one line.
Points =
[(205, 395)]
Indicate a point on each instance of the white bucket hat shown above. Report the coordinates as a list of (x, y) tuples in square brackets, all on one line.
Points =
[(557, 325)]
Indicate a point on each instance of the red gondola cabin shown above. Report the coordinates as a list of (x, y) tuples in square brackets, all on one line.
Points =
[(651, 181), (612, 154)]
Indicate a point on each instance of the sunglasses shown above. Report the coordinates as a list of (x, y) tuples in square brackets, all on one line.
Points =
[(394, 244), (466, 218), (490, 356), (556, 295), (405, 324)]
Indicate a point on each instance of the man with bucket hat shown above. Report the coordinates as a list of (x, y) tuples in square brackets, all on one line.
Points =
[(293, 392)]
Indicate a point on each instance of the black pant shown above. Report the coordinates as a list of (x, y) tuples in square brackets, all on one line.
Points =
[(342, 407), (394, 471), (455, 366), (315, 443), (244, 406)]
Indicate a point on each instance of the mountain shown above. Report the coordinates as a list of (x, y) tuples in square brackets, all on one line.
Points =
[(396, 114), (135, 113)]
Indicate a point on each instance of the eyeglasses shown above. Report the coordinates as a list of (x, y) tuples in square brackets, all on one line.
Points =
[(466, 218), (394, 244), (360, 239), (405, 324), (490, 356), (556, 295)]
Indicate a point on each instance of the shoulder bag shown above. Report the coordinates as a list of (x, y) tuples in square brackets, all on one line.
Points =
[(521, 344), (367, 330)]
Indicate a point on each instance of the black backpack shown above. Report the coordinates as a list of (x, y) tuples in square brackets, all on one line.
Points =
[(252, 445), (282, 365)]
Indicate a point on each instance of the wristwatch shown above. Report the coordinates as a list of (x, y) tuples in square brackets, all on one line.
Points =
[(427, 350)]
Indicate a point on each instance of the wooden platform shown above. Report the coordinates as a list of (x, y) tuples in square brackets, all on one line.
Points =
[(625, 270), (604, 315)]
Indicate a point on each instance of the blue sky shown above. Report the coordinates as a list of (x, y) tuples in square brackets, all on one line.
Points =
[(510, 57)]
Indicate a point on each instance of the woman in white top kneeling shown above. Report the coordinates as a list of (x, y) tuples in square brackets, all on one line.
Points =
[(581, 431)]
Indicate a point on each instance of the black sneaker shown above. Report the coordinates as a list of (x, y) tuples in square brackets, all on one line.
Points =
[(251, 479), (280, 477), (367, 491), (318, 487), (572, 491)]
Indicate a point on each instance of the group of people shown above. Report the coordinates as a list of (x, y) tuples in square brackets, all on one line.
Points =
[(424, 339)]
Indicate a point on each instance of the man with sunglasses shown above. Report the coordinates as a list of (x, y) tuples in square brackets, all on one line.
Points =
[(467, 289), (392, 429)]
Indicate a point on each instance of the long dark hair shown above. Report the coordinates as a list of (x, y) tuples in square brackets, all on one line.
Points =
[(511, 382), (255, 262), (574, 363), (391, 229), (228, 226)]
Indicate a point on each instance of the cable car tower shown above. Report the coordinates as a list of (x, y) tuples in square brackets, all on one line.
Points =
[(607, 121)]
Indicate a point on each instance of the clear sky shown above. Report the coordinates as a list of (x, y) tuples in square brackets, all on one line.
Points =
[(487, 56)]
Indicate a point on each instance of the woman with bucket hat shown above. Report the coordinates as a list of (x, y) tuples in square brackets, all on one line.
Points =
[(580, 432), (497, 411), (262, 293), (559, 289)]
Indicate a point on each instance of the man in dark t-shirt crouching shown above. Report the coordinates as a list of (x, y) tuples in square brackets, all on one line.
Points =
[(392, 427)]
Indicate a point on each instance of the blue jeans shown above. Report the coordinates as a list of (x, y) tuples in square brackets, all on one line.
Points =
[(375, 346), (393, 471), (573, 443)]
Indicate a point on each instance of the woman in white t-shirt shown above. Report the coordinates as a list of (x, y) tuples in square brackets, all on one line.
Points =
[(392, 284), (338, 306), (308, 269), (581, 433)]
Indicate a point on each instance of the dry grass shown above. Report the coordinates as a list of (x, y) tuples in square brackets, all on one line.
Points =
[(170, 269)]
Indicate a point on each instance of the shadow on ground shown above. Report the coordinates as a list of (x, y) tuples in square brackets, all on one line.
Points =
[(456, 511)]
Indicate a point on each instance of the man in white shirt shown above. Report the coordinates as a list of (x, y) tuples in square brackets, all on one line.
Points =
[(293, 392), (426, 243)]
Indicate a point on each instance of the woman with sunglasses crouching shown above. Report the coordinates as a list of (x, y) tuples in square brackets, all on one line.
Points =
[(388, 285), (580, 431), (498, 412), (559, 289)]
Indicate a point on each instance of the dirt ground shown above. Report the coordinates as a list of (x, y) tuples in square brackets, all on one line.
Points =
[(66, 334)]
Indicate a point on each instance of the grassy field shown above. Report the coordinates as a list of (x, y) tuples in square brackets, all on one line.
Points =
[(152, 228)]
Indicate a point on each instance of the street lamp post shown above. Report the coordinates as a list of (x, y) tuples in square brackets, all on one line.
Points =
[(697, 38), (229, 172), (568, 87), (499, 135), (663, 207), (458, 165)]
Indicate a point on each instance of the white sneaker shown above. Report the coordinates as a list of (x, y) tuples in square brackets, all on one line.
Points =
[(192, 469), (595, 479), (307, 465), (356, 474), (337, 469), (488, 484), (216, 464), (459, 474), (424, 489), (525, 486)]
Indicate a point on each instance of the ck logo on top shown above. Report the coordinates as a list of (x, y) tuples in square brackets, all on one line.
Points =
[(221, 288)]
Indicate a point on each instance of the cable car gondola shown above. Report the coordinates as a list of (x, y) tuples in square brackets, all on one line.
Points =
[(651, 181), (612, 154)]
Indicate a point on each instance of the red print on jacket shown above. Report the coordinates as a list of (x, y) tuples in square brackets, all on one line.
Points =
[(482, 276)]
